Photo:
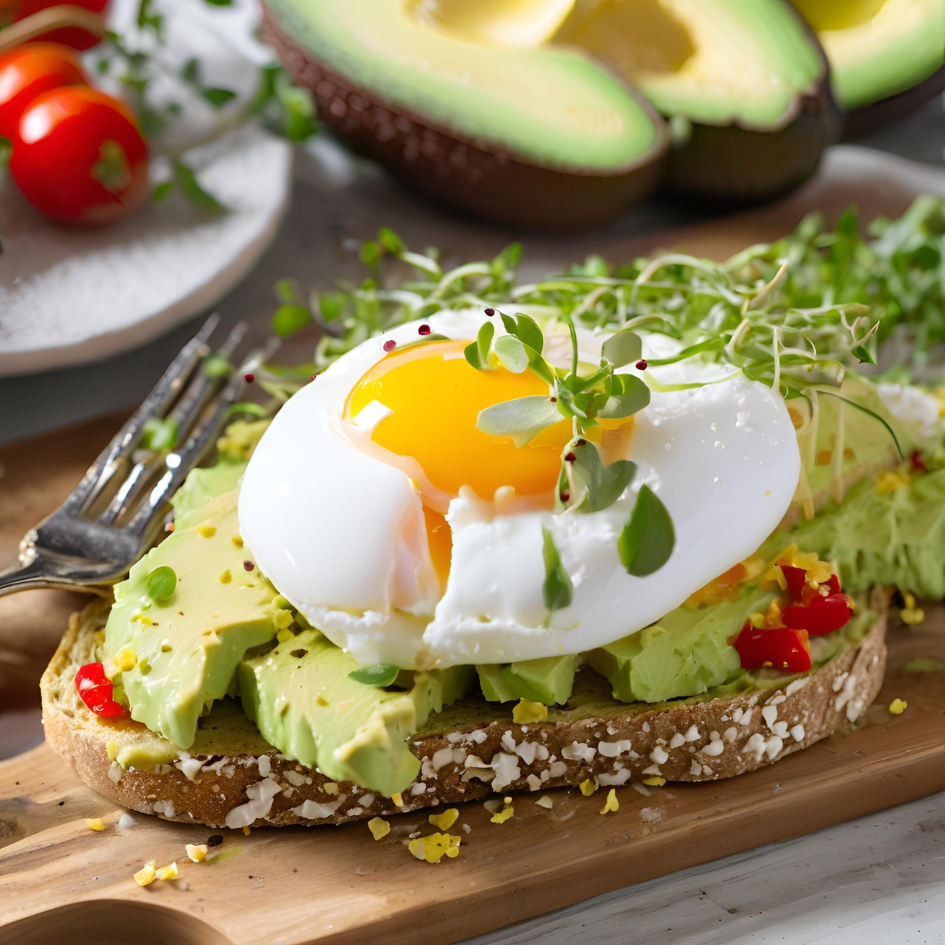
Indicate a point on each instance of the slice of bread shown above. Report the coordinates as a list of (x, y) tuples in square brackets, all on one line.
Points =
[(231, 777)]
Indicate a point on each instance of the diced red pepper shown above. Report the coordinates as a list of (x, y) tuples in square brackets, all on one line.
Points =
[(794, 577), (917, 462), (783, 648), (833, 582), (822, 615), (95, 690)]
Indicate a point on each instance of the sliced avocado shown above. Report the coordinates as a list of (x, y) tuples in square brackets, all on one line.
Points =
[(305, 704), (187, 646), (547, 680), (743, 81), (880, 51), (685, 654), (537, 136)]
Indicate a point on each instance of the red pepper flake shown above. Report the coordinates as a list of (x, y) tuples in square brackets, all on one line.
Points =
[(795, 579), (822, 615), (95, 690), (783, 648), (917, 462), (168, 527), (314, 376), (580, 442), (490, 312), (424, 330), (554, 400), (390, 345), (565, 496), (248, 565), (249, 378), (641, 365), (570, 457)]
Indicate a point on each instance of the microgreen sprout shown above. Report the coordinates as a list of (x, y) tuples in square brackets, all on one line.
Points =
[(375, 674), (162, 582)]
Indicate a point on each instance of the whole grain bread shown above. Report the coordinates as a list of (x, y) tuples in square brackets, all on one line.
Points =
[(232, 777)]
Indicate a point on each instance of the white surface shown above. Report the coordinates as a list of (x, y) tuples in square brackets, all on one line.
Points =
[(873, 881), (70, 295)]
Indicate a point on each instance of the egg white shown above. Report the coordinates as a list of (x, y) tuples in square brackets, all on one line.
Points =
[(341, 534)]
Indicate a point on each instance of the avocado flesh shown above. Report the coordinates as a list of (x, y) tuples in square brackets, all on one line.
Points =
[(547, 680), (877, 49), (714, 62), (304, 702), (188, 646), (551, 107)]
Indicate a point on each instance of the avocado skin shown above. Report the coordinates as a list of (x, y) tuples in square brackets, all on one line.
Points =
[(740, 166), (459, 173), (868, 118)]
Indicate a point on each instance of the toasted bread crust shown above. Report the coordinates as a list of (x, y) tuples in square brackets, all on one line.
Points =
[(690, 742)]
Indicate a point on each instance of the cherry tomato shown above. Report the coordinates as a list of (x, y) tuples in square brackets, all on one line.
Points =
[(73, 36), (822, 615), (26, 71), (78, 156), (781, 647), (95, 690)]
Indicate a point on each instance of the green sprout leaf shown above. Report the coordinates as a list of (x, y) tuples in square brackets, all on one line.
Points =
[(375, 674), (622, 347), (521, 419), (526, 329), (477, 352), (217, 97), (513, 354), (289, 319), (557, 590), (162, 582), (629, 396), (158, 434), (216, 365), (193, 190), (647, 540), (598, 486)]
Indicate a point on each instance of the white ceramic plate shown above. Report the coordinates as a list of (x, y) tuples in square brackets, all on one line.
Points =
[(71, 295)]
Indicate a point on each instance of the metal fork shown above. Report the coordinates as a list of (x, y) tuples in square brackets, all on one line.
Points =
[(115, 513)]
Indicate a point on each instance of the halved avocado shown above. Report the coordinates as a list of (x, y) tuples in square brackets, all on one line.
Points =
[(887, 57), (744, 82), (536, 136)]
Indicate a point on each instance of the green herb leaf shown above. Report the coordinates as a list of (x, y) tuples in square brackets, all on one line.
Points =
[(557, 590), (158, 434), (630, 395), (193, 190), (622, 347), (375, 674), (598, 486), (217, 97), (331, 305), (647, 540), (247, 406), (162, 582), (391, 241), (477, 352), (162, 191), (289, 319), (524, 328), (512, 353), (216, 365), (522, 419)]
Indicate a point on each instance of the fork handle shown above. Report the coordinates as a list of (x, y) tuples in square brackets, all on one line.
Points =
[(43, 573)]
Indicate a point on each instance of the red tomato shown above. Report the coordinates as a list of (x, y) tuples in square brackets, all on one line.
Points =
[(73, 36), (95, 690), (78, 156), (26, 71)]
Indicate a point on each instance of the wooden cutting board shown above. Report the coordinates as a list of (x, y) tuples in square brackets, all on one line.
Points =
[(59, 880)]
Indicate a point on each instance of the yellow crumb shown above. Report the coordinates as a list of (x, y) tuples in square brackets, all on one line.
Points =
[(320, 699), (527, 711), (898, 706), (379, 828), (168, 872), (910, 614), (111, 749), (588, 787), (226, 576), (246, 831), (445, 820), (146, 874), (891, 481), (329, 787), (125, 659), (95, 823), (398, 799), (500, 817), (196, 851), (283, 636), (282, 619), (207, 531), (611, 804), (433, 848), (237, 541), (654, 782)]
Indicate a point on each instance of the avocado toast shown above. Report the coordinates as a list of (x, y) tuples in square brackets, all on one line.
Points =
[(221, 688)]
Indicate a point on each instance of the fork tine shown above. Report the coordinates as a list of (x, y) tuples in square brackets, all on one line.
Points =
[(155, 403), (186, 412), (182, 461)]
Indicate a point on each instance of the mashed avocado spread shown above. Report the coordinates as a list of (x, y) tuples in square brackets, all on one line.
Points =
[(224, 631)]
